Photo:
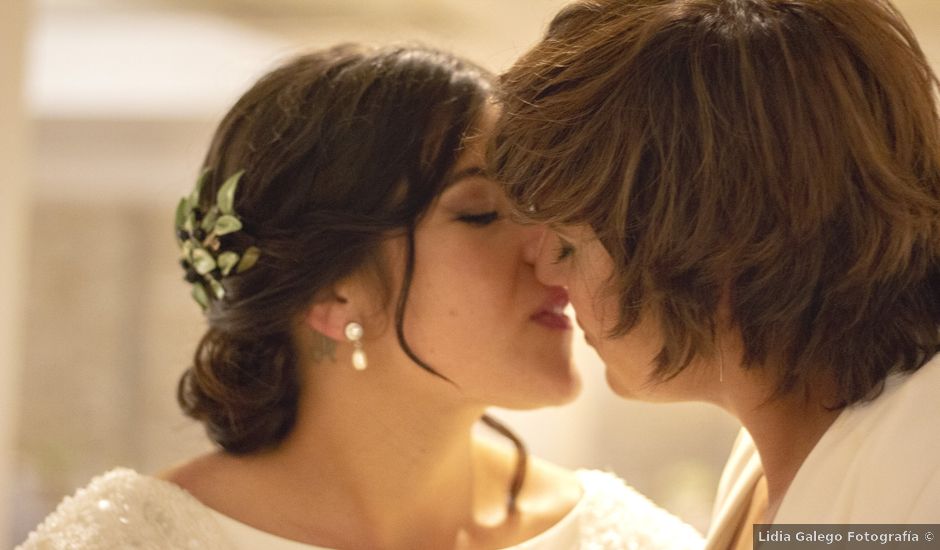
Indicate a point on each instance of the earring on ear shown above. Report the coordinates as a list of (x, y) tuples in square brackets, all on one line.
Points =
[(354, 334)]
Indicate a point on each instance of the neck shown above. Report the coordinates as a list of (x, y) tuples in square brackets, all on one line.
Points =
[(381, 460), (785, 429)]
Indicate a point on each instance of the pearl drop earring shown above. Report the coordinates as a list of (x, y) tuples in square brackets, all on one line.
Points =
[(354, 334)]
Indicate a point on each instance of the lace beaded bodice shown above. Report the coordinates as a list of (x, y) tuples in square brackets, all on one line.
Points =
[(123, 509)]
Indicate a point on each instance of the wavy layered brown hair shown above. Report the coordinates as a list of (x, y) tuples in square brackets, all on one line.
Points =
[(340, 149), (785, 152)]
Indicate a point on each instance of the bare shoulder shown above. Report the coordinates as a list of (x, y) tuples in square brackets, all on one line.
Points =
[(191, 472), (210, 478)]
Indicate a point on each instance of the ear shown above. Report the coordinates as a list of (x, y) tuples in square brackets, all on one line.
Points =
[(328, 314)]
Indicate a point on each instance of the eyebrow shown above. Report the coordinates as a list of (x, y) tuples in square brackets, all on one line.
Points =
[(468, 172)]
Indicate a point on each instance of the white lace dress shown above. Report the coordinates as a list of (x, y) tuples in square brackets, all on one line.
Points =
[(123, 509)]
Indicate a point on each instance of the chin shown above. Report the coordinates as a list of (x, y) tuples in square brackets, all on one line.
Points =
[(649, 391), (554, 392), (629, 388), (569, 390), (565, 383), (613, 382)]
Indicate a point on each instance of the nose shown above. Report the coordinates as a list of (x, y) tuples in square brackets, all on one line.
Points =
[(535, 236), (538, 251)]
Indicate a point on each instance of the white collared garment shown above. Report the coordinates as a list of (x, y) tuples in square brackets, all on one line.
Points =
[(879, 462)]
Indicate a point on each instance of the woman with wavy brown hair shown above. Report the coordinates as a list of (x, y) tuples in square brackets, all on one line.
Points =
[(368, 297), (746, 203)]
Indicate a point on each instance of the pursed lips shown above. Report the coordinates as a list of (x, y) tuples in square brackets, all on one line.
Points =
[(552, 312)]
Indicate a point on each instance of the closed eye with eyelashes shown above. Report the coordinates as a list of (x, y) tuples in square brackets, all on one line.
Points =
[(563, 250), (482, 219)]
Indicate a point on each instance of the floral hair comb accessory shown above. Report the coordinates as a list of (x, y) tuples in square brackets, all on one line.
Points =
[(199, 234)]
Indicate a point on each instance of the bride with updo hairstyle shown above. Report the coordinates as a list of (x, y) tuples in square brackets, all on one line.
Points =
[(368, 297)]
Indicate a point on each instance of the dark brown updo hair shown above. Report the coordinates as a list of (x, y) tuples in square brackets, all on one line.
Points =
[(339, 148)]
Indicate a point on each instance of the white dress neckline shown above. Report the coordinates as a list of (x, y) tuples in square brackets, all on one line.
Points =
[(123, 509), (562, 535)]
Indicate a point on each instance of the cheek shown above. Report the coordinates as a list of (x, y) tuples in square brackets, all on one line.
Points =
[(472, 274), (465, 316), (628, 357), (630, 361), (461, 287), (596, 309)]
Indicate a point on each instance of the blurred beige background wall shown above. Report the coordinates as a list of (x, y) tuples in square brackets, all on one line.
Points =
[(14, 178), (122, 96)]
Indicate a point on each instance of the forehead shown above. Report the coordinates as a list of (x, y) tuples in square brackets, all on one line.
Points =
[(472, 187)]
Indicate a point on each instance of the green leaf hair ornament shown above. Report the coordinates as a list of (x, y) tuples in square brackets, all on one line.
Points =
[(197, 234)]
